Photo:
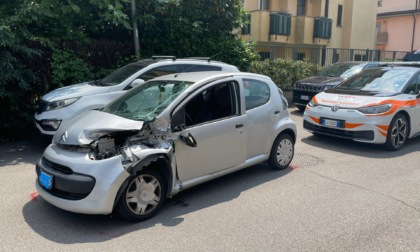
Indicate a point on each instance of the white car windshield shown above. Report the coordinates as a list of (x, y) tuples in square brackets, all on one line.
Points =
[(379, 80), (147, 101), (120, 75)]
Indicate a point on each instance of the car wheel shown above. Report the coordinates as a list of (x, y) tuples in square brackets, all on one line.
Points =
[(143, 196), (301, 108), (281, 154), (397, 133)]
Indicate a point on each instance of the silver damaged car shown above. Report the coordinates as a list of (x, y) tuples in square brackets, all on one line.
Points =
[(162, 137)]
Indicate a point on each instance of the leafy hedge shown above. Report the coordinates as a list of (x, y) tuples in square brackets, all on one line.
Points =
[(284, 72)]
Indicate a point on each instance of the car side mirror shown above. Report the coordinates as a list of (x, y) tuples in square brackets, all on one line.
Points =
[(188, 139), (135, 83)]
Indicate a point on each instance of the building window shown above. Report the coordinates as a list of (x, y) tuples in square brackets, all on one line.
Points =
[(300, 56), (246, 24), (264, 4), (301, 8), (339, 14), (379, 3)]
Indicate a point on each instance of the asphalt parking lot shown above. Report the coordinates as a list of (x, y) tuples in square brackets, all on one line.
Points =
[(337, 196)]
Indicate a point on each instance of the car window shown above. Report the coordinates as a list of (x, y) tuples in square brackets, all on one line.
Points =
[(199, 68), (159, 71), (257, 93), (413, 87), (214, 103)]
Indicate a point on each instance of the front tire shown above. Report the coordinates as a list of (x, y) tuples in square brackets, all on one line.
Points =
[(282, 152), (397, 133), (143, 197), (301, 108)]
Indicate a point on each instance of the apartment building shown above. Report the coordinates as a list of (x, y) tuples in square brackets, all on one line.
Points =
[(398, 25), (276, 24)]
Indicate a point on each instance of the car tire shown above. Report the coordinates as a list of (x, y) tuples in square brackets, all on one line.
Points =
[(301, 108), (282, 152), (143, 196), (397, 133)]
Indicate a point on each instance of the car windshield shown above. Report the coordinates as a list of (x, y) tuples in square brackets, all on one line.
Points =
[(379, 80), (341, 70), (147, 101), (120, 75)]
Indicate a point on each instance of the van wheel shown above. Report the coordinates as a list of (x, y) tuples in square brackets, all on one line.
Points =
[(282, 152), (143, 197)]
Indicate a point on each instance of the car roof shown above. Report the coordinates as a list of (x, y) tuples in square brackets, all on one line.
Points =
[(199, 76), (165, 59)]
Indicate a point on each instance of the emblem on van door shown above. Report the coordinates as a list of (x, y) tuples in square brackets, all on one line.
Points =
[(335, 107)]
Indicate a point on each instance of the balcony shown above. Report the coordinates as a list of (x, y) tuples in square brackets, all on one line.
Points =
[(281, 27), (382, 38)]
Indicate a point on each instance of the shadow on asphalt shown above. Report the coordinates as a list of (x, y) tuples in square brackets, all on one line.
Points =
[(68, 228), (361, 149), (28, 151)]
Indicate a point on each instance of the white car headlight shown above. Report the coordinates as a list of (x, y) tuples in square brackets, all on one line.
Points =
[(375, 109), (60, 104)]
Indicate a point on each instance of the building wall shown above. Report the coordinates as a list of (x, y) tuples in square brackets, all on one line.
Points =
[(399, 26), (356, 32), (396, 5)]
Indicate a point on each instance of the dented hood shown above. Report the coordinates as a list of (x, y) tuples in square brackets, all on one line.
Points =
[(91, 125)]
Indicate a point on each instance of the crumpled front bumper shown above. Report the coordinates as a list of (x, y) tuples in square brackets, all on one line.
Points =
[(79, 184)]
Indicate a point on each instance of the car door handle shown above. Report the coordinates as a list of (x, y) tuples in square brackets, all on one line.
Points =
[(276, 112), (239, 125)]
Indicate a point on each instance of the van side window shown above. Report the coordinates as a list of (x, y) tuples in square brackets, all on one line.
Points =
[(257, 93)]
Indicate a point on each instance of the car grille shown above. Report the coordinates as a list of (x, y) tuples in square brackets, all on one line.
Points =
[(367, 135), (41, 106), (61, 168), (308, 87)]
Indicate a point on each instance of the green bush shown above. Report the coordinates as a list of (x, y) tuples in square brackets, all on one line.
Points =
[(68, 69), (284, 72)]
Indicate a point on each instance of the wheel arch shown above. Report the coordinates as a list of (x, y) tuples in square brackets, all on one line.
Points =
[(160, 162), (407, 115)]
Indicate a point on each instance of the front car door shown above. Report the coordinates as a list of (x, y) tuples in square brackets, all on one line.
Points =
[(212, 115)]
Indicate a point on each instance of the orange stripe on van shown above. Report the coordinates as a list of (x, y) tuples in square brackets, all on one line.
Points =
[(353, 125), (383, 127), (314, 119)]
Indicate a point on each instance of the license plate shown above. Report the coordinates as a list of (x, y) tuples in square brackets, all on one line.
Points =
[(304, 97), (331, 123), (45, 180)]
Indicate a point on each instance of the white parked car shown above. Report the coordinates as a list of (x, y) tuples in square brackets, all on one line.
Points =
[(162, 137), (70, 101), (378, 105)]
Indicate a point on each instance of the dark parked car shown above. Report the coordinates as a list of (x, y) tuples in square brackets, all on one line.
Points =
[(305, 89), (412, 56)]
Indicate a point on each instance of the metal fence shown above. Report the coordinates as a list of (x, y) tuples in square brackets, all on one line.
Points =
[(326, 56)]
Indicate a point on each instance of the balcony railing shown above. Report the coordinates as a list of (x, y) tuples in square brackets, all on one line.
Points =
[(382, 38), (280, 24), (322, 27)]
